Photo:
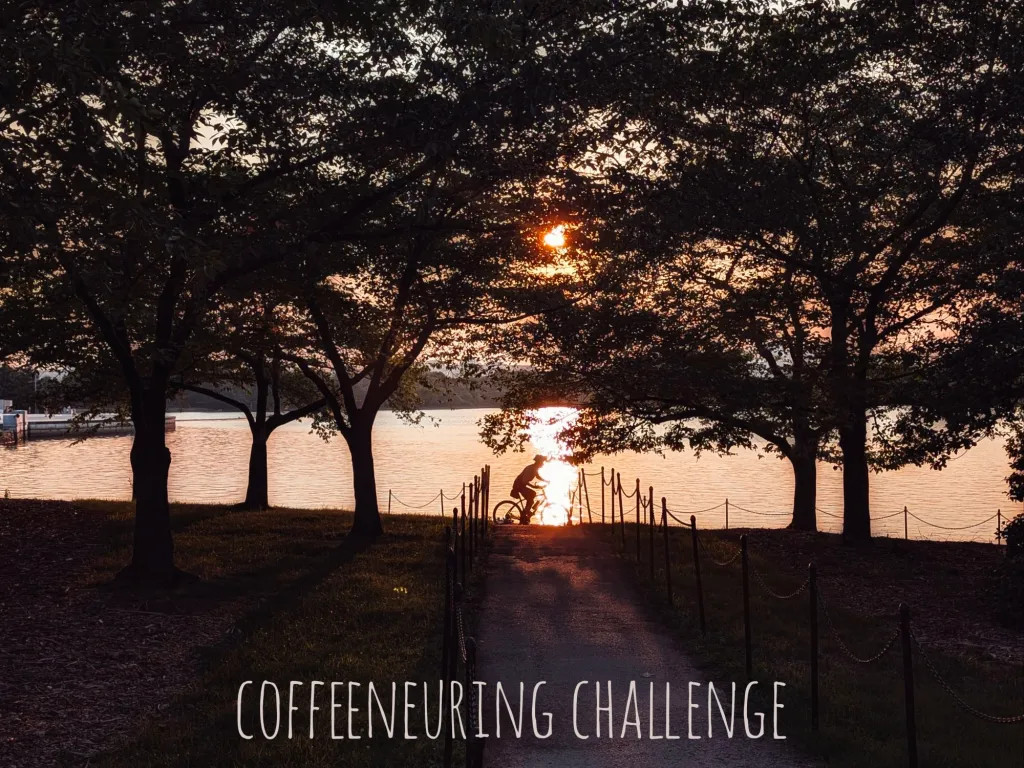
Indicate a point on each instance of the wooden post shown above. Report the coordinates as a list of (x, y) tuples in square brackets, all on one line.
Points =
[(636, 493), (908, 685), (602, 498), (812, 585), (906, 535), (696, 573), (727, 513), (999, 527), (442, 502), (668, 562), (389, 502), (746, 608)]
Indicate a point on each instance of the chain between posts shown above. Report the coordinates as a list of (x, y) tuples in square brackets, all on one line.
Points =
[(720, 563), (842, 643), (759, 578), (957, 698)]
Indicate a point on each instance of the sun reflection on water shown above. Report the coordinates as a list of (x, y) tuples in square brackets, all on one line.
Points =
[(561, 477)]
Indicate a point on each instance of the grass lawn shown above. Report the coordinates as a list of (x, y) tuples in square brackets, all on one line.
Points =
[(862, 720), (316, 608)]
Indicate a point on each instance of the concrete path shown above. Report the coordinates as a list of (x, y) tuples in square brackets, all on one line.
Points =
[(558, 608)]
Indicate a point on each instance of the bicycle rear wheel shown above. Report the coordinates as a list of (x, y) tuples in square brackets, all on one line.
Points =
[(507, 512)]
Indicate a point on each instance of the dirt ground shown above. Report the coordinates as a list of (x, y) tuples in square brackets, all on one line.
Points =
[(80, 664)]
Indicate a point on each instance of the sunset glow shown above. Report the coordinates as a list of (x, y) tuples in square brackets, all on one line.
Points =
[(559, 475), (555, 237)]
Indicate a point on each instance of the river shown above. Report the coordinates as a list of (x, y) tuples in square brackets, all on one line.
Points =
[(210, 454)]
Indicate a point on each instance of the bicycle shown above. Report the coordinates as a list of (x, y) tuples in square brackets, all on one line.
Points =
[(511, 510)]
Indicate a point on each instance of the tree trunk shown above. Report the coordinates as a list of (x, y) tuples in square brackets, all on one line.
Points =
[(805, 490), (856, 507), (256, 496), (153, 549), (367, 520)]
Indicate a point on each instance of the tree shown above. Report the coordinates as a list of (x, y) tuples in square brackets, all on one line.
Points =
[(240, 347), (865, 148), (684, 353), (456, 250), (155, 153)]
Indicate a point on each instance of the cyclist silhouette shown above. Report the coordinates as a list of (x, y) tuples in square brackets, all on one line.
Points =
[(523, 488)]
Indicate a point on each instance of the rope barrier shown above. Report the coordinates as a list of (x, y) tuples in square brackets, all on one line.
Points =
[(762, 514), (957, 698), (681, 522), (842, 643), (437, 495), (947, 528)]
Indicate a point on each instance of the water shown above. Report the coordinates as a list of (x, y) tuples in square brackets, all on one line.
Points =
[(210, 455)]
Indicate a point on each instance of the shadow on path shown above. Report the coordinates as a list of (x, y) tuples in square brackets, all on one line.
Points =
[(559, 609)]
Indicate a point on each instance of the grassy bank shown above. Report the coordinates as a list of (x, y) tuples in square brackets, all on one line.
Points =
[(282, 595), (862, 720), (326, 611)]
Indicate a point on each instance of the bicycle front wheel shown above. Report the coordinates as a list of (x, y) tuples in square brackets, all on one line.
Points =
[(507, 512)]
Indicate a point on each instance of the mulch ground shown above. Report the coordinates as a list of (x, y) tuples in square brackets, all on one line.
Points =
[(950, 587), (82, 664)]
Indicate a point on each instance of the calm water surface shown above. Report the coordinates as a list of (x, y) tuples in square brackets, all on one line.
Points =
[(210, 455)]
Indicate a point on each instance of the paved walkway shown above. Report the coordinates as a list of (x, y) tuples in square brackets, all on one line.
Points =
[(557, 608)]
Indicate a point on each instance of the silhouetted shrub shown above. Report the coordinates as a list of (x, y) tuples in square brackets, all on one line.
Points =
[(1013, 535)]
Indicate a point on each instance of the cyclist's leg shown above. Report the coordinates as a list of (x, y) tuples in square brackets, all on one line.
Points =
[(529, 496)]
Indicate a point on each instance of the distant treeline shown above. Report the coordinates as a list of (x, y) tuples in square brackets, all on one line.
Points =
[(437, 390)]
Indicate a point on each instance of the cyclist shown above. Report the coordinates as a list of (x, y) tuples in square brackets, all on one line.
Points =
[(523, 488)]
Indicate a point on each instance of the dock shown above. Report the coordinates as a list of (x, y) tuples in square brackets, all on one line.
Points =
[(19, 426)]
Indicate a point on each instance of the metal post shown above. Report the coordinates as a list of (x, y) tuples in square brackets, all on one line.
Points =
[(462, 533), (602, 497), (999, 527), (746, 608), (908, 685), (441, 494), (458, 594), (586, 492), (727, 513), (449, 565), (473, 744), (668, 563), (622, 511), (906, 535), (636, 492), (485, 479), (696, 573), (650, 528), (470, 522), (451, 643), (455, 537), (812, 586), (611, 492)]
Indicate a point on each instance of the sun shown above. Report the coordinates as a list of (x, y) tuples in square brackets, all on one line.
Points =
[(555, 237)]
